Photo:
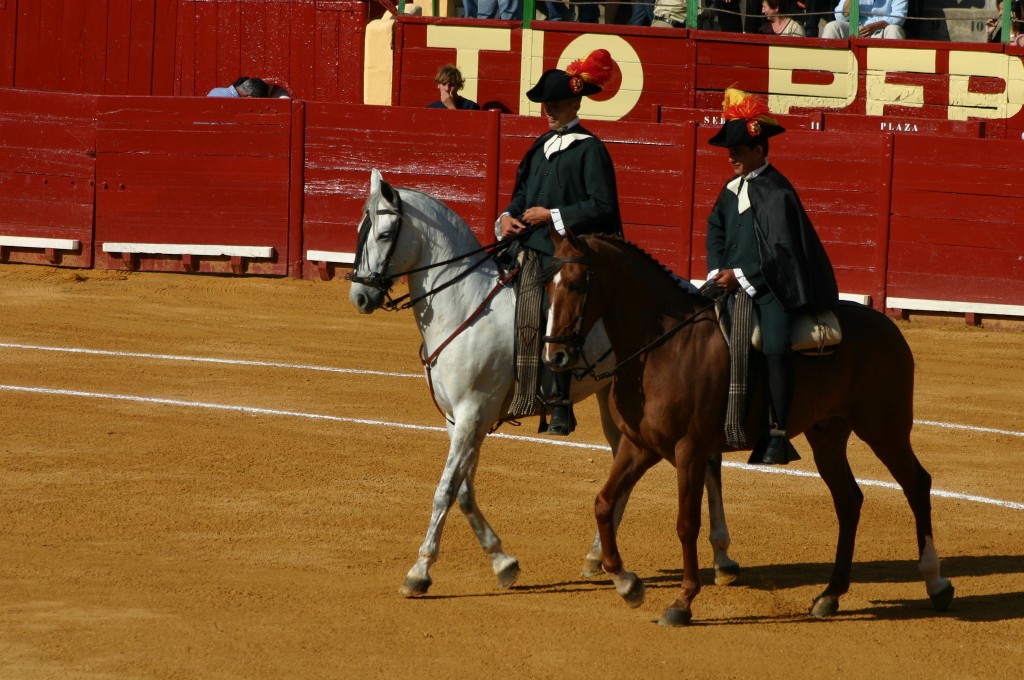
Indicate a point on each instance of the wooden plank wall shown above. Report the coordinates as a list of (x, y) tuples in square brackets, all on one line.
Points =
[(902, 215), (183, 47), (957, 228), (205, 171), (450, 155), (47, 173)]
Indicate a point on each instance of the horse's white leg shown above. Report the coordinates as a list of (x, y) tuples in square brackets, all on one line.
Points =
[(463, 452), (505, 567), (727, 570)]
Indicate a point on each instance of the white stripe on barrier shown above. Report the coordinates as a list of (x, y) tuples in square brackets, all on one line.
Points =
[(330, 256), (189, 249), (252, 410), (34, 242)]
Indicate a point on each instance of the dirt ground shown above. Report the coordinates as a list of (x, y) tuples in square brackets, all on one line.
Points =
[(151, 531)]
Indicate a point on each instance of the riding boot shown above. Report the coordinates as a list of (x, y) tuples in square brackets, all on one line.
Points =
[(562, 419), (777, 450)]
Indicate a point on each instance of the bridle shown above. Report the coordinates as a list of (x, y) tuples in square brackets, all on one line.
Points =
[(383, 282), (575, 339)]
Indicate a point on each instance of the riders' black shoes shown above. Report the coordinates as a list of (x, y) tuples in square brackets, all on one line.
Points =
[(774, 450), (562, 421)]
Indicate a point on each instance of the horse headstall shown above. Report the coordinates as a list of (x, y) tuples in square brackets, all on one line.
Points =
[(378, 280), (575, 339)]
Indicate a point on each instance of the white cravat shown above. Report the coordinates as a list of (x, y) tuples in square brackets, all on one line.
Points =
[(738, 186), (560, 141)]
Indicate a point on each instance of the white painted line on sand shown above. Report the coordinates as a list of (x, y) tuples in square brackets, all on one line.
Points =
[(252, 410)]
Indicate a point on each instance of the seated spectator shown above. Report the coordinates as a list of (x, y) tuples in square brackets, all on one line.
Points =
[(878, 19), (243, 87), (669, 14), (994, 26), (449, 82), (776, 23)]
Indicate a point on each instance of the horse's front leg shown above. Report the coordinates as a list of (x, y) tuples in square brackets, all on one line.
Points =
[(690, 473), (727, 570), (630, 463), (506, 567), (463, 453)]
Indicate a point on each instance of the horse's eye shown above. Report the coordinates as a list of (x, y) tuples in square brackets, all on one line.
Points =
[(576, 287), (384, 236)]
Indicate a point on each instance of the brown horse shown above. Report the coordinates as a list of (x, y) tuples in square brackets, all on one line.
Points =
[(669, 398)]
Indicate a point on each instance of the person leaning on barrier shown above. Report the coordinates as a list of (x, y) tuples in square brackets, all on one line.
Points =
[(243, 87), (760, 239), (878, 19), (449, 81), (566, 179)]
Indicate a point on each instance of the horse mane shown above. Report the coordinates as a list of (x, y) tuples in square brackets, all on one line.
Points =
[(671, 277)]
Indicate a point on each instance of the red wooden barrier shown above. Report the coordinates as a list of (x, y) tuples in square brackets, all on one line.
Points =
[(194, 184), (47, 173), (848, 122), (449, 154), (957, 224)]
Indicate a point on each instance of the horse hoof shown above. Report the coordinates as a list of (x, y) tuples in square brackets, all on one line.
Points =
[(943, 598), (508, 573), (674, 618), (726, 576), (591, 568), (634, 595), (825, 605), (414, 587)]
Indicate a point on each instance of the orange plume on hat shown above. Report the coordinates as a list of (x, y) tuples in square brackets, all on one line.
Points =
[(739, 105), (596, 68)]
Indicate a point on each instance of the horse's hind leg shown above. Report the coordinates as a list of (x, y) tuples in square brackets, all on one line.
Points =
[(506, 567), (727, 570), (898, 456), (828, 440)]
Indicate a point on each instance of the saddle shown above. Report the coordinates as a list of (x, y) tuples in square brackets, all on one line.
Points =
[(812, 334)]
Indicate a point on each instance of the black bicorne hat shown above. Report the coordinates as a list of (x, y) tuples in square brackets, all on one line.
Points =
[(582, 78), (747, 121)]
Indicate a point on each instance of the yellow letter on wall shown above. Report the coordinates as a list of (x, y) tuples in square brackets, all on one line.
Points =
[(883, 60), (784, 94)]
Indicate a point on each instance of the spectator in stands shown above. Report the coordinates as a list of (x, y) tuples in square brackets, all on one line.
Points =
[(499, 9), (243, 87), (449, 81), (587, 11), (815, 11), (994, 26), (669, 14), (878, 19), (737, 16), (778, 23), (642, 13)]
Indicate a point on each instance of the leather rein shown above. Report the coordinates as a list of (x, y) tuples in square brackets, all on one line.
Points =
[(575, 339)]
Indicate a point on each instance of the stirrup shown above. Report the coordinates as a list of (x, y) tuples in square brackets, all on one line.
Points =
[(562, 422), (774, 449)]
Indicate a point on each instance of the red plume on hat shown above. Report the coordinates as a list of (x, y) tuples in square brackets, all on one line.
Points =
[(747, 119), (596, 68)]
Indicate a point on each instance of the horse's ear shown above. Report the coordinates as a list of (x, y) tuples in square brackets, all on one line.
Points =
[(376, 179), (556, 238)]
